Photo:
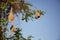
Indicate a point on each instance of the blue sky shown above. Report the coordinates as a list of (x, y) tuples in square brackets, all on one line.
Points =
[(48, 26)]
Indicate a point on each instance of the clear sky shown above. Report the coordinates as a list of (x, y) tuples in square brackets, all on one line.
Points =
[(48, 26)]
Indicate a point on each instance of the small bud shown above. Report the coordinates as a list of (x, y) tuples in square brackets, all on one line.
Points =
[(0, 28), (23, 17)]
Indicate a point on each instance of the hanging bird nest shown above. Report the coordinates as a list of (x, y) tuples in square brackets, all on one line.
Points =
[(11, 16), (37, 14)]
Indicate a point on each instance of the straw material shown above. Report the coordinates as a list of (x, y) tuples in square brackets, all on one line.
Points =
[(10, 16)]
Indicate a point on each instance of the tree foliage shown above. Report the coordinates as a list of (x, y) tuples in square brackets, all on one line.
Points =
[(9, 8)]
